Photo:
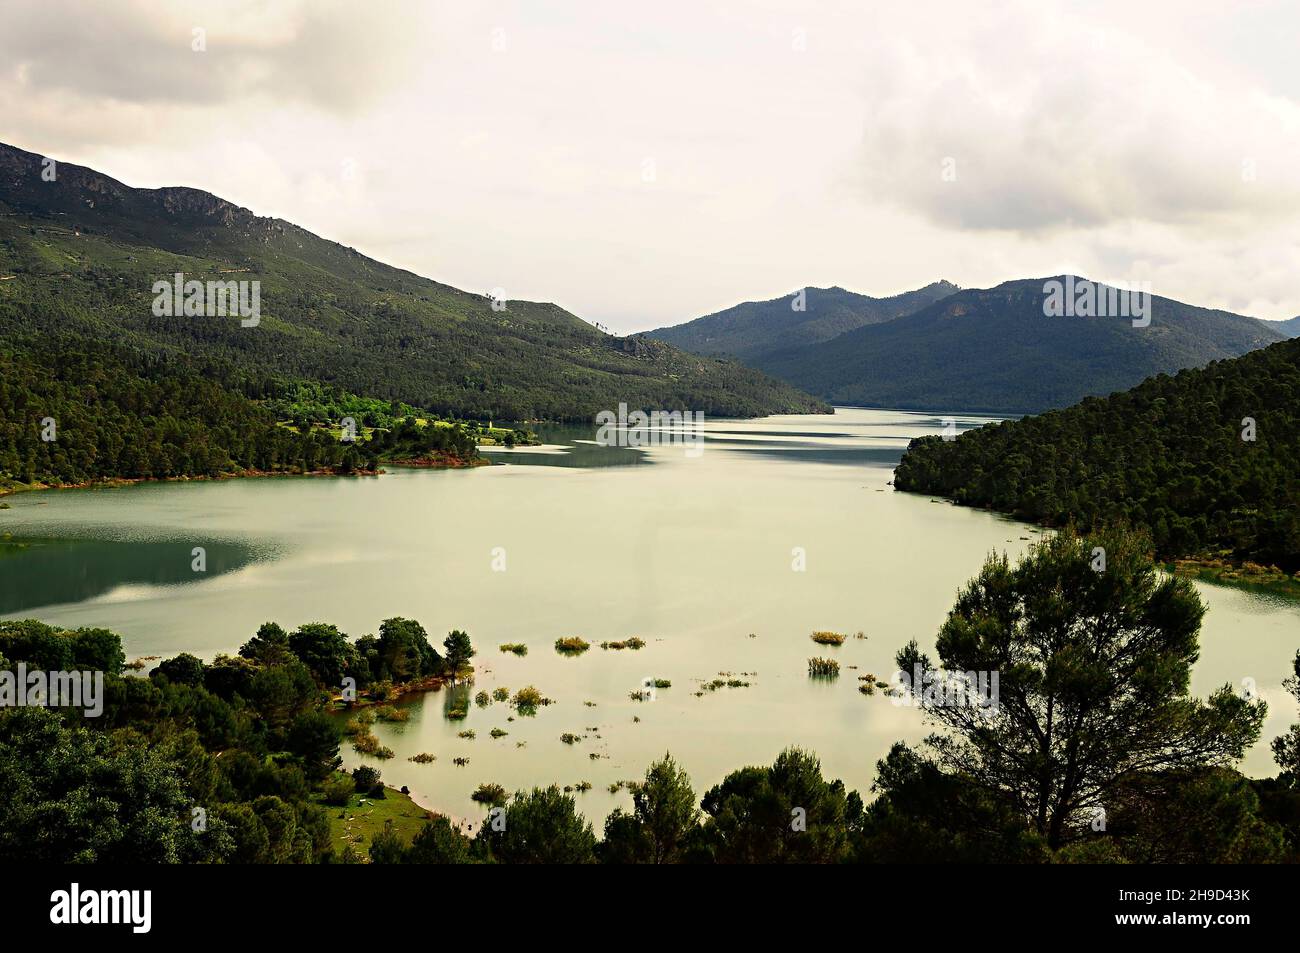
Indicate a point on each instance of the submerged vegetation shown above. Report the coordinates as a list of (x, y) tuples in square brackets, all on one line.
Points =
[(489, 793), (823, 668), (828, 638), (632, 643)]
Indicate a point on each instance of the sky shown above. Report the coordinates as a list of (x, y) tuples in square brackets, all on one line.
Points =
[(642, 164)]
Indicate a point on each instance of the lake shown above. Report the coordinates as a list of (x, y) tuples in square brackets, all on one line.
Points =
[(723, 561)]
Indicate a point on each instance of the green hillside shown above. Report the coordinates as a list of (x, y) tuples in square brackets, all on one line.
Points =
[(1168, 455), (80, 255)]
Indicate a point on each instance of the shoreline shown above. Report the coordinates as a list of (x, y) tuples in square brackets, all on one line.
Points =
[(108, 483), (1245, 576)]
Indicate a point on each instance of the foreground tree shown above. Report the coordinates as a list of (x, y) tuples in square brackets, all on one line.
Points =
[(459, 651), (313, 737), (439, 842), (1093, 653), (787, 813), (542, 827), (924, 815), (1286, 749), (325, 651), (663, 819), (403, 651), (78, 795)]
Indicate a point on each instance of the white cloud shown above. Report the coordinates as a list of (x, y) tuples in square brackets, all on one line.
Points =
[(1107, 135)]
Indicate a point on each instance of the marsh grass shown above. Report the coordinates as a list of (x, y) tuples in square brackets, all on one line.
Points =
[(389, 713), (828, 638), (823, 668)]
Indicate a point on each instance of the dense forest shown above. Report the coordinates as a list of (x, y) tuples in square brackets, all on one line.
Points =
[(81, 254), (74, 412), (1208, 460), (1131, 770)]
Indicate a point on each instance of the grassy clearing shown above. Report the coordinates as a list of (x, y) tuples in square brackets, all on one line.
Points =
[(364, 817)]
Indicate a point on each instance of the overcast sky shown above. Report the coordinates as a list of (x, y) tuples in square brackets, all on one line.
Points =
[(645, 163)]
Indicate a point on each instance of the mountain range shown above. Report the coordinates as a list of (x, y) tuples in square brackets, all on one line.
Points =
[(755, 329), (991, 349), (80, 253)]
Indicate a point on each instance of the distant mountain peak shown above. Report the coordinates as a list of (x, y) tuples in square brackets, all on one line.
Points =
[(800, 318)]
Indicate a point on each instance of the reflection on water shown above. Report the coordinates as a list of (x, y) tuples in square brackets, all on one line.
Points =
[(45, 572)]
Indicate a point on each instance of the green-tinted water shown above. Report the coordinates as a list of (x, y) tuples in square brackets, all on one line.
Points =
[(692, 554)]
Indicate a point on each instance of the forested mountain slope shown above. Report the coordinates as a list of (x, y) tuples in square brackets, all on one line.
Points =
[(80, 255), (995, 350), (1208, 459)]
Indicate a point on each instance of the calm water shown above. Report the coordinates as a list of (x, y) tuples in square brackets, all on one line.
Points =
[(692, 554)]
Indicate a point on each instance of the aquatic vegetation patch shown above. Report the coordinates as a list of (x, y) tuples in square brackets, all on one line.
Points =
[(489, 793), (571, 645), (528, 699), (515, 648), (423, 757), (389, 713), (823, 668), (828, 638), (632, 643)]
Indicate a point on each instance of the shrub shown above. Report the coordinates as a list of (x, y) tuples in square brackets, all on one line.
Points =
[(632, 643), (364, 778), (529, 698), (338, 790), (572, 645), (517, 648), (828, 638), (389, 713), (489, 793)]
